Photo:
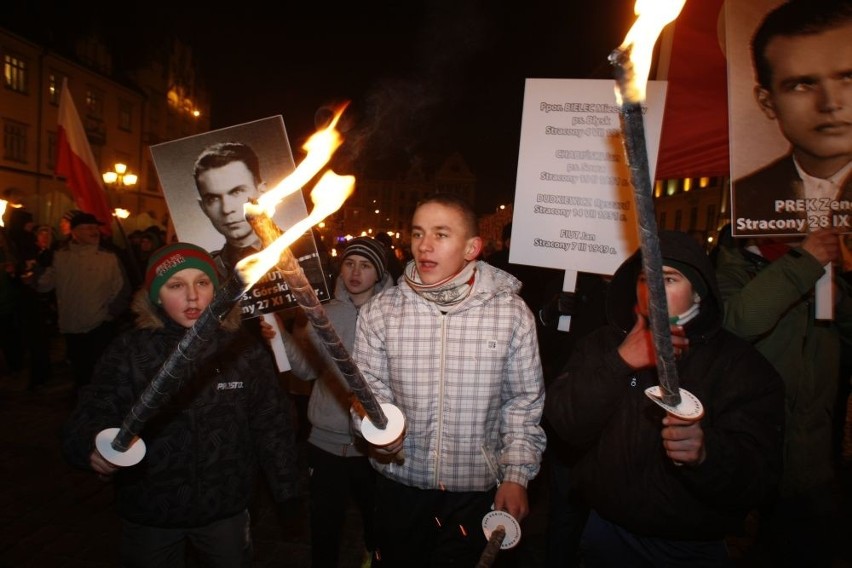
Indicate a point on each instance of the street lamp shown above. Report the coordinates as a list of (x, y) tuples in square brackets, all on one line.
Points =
[(120, 177)]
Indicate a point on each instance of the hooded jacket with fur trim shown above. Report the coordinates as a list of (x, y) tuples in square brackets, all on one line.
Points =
[(229, 417)]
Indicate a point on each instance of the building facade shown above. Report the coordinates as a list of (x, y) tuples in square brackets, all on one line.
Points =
[(123, 112)]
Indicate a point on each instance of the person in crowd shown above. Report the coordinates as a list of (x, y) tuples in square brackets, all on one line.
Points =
[(33, 315), (150, 240), (10, 340), (802, 57), (665, 490), (46, 246), (65, 227), (768, 286), (44, 243), (567, 512), (229, 418), (92, 294), (454, 348), (394, 263), (337, 458)]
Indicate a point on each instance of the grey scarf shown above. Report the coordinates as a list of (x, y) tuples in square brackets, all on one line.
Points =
[(446, 293)]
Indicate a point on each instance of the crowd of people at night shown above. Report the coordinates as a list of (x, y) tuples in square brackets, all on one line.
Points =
[(497, 402)]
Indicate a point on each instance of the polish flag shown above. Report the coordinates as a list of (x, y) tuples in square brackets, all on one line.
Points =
[(75, 161)]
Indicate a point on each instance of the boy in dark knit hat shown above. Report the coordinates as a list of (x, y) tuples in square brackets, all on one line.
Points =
[(203, 449), (337, 459)]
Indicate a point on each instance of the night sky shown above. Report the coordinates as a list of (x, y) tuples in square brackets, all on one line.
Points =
[(425, 79)]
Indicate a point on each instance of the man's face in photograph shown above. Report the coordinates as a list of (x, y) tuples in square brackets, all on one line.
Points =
[(222, 193), (811, 96)]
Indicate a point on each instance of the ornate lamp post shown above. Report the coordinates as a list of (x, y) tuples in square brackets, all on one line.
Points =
[(117, 179), (120, 177)]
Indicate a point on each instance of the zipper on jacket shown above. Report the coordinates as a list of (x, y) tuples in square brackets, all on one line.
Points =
[(439, 443)]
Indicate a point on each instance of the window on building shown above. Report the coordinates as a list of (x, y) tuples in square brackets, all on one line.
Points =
[(662, 220), (671, 186), (678, 220), (54, 87), (15, 141), (125, 115), (693, 218), (711, 217), (15, 72), (94, 103), (51, 151)]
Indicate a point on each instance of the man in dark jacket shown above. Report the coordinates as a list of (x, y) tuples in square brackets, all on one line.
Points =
[(665, 490)]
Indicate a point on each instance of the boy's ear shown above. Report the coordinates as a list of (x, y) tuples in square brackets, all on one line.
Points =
[(474, 247)]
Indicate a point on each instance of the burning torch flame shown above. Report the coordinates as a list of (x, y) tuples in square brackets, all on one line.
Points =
[(638, 44), (632, 61), (328, 195), (320, 148)]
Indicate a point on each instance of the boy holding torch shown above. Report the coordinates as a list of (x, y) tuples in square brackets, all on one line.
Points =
[(455, 348), (665, 490), (203, 448)]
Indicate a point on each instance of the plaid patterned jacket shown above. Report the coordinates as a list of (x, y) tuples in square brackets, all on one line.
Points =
[(469, 383)]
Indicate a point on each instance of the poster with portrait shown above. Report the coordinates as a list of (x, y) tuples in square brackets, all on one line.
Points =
[(789, 149), (239, 163)]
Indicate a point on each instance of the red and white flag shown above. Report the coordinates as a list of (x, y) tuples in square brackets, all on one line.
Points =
[(694, 140), (75, 161)]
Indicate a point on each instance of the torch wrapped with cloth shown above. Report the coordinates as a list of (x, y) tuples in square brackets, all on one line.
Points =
[(632, 62), (122, 446)]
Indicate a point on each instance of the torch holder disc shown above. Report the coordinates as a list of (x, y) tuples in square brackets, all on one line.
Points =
[(132, 456), (392, 431), (494, 519), (690, 408)]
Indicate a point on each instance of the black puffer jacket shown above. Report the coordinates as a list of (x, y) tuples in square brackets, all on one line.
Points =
[(203, 448), (598, 406)]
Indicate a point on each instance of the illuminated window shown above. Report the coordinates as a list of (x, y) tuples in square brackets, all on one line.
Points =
[(711, 216), (658, 188), (125, 115), (671, 187), (94, 102), (54, 86), (704, 182), (15, 73), (687, 184)]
